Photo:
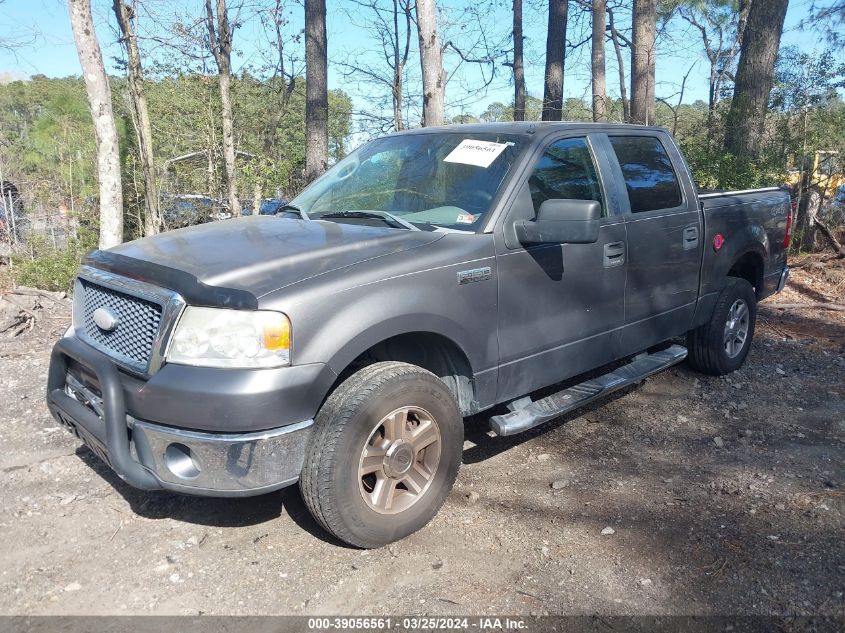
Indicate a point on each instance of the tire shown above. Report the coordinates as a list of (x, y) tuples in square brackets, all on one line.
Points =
[(713, 347), (814, 202), (384, 454)]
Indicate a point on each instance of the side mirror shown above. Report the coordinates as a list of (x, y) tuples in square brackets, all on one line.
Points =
[(562, 222)]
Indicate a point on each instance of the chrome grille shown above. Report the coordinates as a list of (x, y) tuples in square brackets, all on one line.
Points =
[(138, 322)]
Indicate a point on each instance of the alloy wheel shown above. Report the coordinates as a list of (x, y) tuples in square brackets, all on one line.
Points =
[(399, 460)]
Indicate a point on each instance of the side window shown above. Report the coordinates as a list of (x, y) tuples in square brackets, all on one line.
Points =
[(565, 171), (647, 169)]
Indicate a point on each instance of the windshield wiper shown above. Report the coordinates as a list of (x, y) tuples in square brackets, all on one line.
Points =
[(387, 218)]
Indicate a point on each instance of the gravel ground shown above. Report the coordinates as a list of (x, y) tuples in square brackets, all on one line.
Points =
[(686, 495)]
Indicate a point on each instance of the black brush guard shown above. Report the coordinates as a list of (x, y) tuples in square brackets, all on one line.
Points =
[(111, 431)]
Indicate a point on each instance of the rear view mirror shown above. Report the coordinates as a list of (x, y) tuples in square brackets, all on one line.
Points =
[(562, 222)]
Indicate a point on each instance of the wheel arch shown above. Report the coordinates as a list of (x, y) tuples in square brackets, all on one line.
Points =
[(751, 266), (426, 347)]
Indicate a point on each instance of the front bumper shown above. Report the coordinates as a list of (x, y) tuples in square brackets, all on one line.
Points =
[(153, 456)]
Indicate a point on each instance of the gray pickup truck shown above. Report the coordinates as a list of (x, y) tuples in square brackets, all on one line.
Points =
[(429, 276)]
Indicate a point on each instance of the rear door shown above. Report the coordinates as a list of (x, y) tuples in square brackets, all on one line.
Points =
[(664, 233)]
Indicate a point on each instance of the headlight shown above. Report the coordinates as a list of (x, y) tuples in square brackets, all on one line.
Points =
[(215, 337)]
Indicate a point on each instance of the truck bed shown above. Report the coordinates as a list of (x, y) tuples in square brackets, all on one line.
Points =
[(753, 226)]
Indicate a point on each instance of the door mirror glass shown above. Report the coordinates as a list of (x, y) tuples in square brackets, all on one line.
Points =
[(562, 222)]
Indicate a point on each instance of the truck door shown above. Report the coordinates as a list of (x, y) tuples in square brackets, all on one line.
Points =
[(560, 305), (664, 239)]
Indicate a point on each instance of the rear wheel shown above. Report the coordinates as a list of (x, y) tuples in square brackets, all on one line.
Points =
[(384, 454), (720, 346)]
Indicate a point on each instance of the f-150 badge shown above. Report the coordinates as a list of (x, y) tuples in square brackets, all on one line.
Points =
[(476, 274)]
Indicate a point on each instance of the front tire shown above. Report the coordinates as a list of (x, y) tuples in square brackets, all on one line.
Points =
[(384, 454), (721, 345)]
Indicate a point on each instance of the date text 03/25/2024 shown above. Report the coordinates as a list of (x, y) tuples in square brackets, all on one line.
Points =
[(417, 623)]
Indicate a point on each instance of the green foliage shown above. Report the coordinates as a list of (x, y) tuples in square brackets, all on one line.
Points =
[(713, 168), (806, 112), (805, 79), (50, 268), (47, 144), (499, 111)]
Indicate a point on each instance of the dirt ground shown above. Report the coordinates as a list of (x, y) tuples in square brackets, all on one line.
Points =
[(721, 495)]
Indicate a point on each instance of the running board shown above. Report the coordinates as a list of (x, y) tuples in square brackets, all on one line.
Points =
[(526, 414)]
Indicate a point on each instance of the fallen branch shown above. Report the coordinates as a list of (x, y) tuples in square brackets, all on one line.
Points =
[(18, 314), (837, 307), (58, 297), (840, 250)]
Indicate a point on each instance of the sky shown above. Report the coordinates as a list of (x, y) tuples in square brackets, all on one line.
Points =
[(44, 27)]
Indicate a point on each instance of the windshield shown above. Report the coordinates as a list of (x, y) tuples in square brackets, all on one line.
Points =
[(440, 180)]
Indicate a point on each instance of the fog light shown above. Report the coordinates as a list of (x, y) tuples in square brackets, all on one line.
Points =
[(181, 461)]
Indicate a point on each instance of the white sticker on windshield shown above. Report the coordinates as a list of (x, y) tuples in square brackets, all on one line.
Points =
[(478, 153)]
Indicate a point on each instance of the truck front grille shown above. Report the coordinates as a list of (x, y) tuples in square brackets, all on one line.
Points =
[(138, 321)]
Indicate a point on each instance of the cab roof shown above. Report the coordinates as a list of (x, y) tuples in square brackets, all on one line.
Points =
[(528, 127)]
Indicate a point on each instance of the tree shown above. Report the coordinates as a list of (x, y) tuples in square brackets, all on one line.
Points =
[(385, 68), (721, 24), (401, 47), (140, 114), (828, 18), (498, 111), (99, 101), (616, 37), (284, 68), (555, 53), (316, 90), (220, 43), (754, 77), (804, 96), (518, 68), (598, 63), (643, 61), (431, 62)]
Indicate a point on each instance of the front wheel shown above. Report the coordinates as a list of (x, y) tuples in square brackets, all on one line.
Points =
[(720, 346), (384, 454)]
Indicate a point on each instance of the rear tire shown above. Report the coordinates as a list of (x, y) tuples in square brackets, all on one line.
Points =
[(384, 454), (721, 345)]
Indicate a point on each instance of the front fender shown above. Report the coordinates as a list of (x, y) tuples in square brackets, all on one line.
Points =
[(338, 317), (357, 319)]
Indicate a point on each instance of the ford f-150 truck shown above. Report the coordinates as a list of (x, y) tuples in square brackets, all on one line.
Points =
[(429, 276)]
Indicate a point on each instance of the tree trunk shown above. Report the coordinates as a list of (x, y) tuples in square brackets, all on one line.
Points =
[(256, 197), (397, 71), (125, 14), (598, 64), (620, 65), (642, 61), (105, 132), (431, 61), (288, 79), (316, 90), (220, 40), (555, 56), (400, 58), (518, 67), (754, 77)]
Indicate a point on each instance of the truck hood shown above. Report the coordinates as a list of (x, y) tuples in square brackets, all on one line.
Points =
[(257, 254)]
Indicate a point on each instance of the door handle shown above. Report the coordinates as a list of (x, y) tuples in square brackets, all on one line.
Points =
[(690, 237), (614, 254)]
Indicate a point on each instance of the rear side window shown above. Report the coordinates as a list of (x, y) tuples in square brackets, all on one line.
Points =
[(565, 171), (649, 176)]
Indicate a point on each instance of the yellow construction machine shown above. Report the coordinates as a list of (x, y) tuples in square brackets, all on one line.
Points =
[(819, 184)]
